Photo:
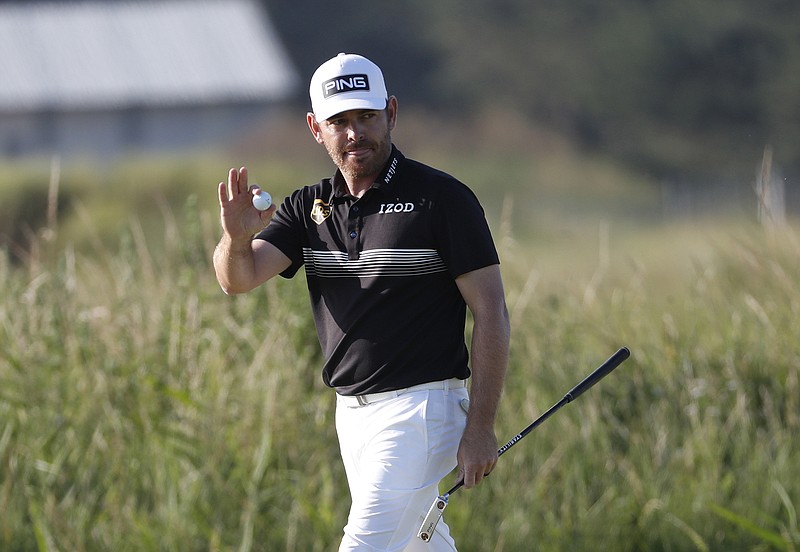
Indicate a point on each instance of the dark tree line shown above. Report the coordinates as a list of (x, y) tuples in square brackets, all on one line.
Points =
[(692, 88), (695, 88)]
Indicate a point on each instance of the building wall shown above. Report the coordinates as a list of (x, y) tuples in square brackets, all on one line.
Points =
[(107, 134)]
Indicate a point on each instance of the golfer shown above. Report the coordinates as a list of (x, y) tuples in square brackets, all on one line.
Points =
[(394, 253)]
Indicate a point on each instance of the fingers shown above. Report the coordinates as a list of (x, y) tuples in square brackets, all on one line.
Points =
[(471, 478), (222, 192), (472, 475), (237, 182), (235, 187), (243, 180), (477, 454)]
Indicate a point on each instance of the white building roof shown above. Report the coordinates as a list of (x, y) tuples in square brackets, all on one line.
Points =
[(90, 55)]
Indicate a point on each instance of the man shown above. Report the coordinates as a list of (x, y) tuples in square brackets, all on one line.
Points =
[(394, 251)]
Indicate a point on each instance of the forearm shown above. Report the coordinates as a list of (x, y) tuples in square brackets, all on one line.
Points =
[(477, 452), (490, 349), (234, 264)]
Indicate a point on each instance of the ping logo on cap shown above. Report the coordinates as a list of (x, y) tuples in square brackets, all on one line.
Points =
[(344, 83)]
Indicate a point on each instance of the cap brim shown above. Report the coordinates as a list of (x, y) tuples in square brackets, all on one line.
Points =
[(343, 105)]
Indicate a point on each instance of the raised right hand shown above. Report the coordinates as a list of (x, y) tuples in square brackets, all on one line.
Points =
[(240, 219)]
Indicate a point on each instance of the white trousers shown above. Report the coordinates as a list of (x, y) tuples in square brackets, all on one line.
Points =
[(395, 452)]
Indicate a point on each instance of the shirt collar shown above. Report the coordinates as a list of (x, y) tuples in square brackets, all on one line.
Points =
[(384, 181)]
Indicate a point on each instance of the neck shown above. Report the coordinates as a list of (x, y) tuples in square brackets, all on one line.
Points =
[(358, 182), (358, 186)]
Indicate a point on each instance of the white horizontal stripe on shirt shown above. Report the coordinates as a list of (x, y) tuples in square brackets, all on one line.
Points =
[(373, 262)]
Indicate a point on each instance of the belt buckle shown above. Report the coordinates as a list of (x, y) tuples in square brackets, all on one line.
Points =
[(361, 400)]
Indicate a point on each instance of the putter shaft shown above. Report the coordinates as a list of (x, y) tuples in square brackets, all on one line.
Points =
[(436, 510)]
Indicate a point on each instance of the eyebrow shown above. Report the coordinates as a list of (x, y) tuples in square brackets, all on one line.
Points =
[(359, 112)]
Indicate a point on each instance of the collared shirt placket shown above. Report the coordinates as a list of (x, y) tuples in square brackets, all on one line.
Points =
[(355, 227)]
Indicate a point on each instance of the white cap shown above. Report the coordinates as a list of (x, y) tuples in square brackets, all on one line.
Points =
[(346, 82)]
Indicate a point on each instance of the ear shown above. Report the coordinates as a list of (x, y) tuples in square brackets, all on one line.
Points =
[(314, 127), (391, 108)]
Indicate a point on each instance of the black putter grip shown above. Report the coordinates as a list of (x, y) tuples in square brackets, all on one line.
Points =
[(602, 371)]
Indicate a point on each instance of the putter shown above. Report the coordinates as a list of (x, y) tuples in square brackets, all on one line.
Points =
[(437, 508)]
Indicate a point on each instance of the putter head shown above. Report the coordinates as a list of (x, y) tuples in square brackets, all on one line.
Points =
[(433, 516)]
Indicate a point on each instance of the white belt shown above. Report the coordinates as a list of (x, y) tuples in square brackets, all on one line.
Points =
[(355, 401)]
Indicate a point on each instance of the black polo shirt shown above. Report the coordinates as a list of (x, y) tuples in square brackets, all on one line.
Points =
[(381, 273)]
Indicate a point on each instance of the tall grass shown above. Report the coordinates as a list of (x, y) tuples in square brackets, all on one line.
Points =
[(690, 447), (141, 409)]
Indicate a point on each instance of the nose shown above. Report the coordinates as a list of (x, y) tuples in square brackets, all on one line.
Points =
[(355, 132)]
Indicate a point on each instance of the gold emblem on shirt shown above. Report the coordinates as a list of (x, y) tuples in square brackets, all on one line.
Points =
[(320, 211)]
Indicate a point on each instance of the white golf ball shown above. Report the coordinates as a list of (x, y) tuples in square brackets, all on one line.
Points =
[(262, 200)]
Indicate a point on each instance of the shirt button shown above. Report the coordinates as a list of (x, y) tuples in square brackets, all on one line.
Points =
[(355, 208), (353, 234)]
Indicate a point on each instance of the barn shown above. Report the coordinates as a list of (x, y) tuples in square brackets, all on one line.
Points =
[(100, 79)]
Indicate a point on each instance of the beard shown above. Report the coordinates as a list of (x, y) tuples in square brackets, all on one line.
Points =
[(371, 165)]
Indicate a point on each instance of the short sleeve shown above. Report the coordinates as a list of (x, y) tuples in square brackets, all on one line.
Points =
[(464, 240)]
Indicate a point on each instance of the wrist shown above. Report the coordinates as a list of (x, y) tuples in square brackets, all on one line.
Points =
[(479, 423), (235, 247)]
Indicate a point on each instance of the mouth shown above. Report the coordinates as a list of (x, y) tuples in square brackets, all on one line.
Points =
[(358, 151)]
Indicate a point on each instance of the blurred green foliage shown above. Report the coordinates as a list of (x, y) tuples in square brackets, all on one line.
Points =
[(685, 88), (142, 409)]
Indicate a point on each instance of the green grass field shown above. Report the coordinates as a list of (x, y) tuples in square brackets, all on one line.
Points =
[(142, 409)]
